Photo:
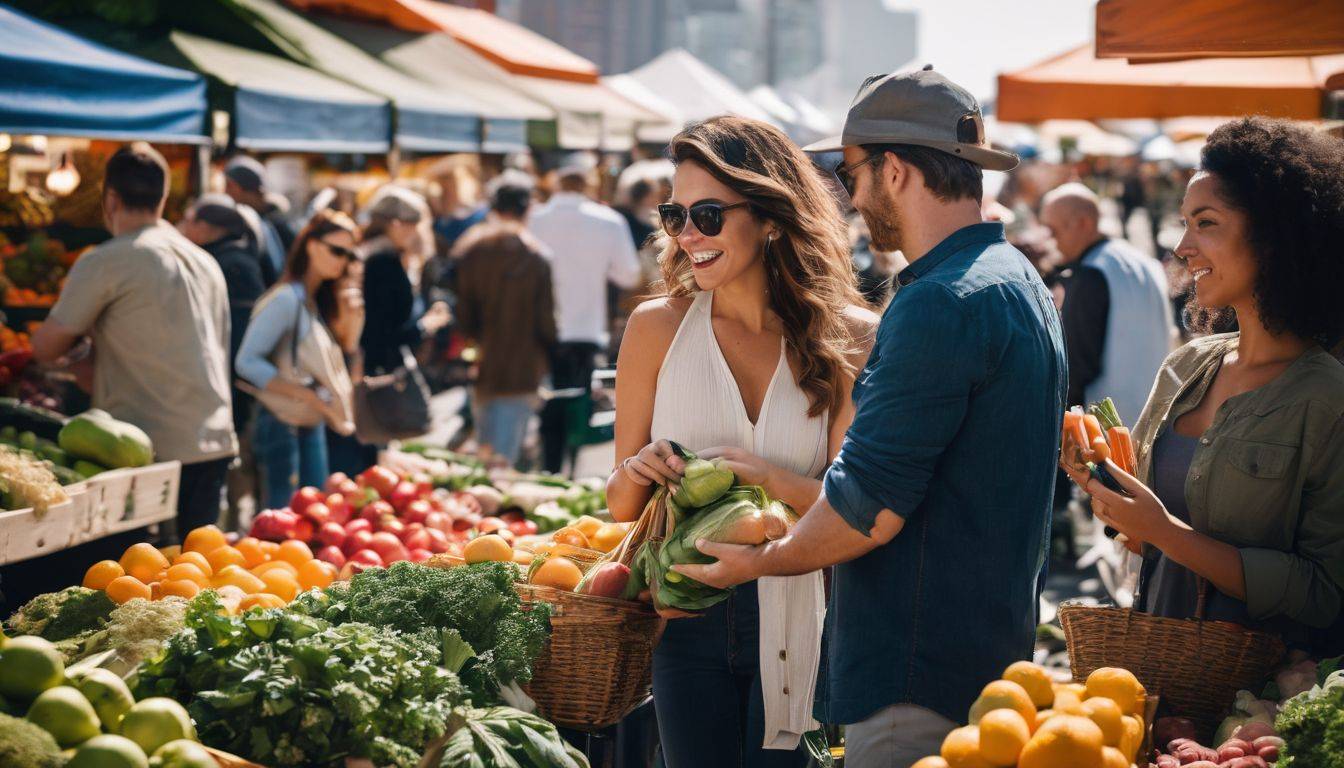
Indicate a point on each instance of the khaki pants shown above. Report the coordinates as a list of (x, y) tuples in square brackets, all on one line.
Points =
[(895, 737)]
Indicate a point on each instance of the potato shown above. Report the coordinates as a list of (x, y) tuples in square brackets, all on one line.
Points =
[(1202, 764), (1251, 761), (1268, 747), (1253, 730), (1230, 751), (1168, 761)]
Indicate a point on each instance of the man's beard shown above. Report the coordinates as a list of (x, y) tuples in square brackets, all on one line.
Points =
[(884, 224)]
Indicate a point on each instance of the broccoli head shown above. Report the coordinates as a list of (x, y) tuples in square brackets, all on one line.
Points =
[(25, 744), (1312, 727), (64, 614)]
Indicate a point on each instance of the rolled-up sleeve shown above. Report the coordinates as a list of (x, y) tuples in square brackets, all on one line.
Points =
[(911, 399), (1307, 583)]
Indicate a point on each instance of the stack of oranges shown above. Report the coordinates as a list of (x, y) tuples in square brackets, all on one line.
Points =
[(249, 572)]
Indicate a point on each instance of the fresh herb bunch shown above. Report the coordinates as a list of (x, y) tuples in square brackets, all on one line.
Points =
[(502, 737), (477, 602), (283, 688)]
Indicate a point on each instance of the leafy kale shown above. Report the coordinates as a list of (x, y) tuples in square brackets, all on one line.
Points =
[(282, 688), (502, 737), (1312, 726), (477, 602)]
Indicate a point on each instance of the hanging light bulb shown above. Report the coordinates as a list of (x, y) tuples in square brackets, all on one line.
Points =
[(5, 142), (64, 179)]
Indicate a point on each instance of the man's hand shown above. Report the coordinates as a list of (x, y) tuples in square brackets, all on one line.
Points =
[(738, 564)]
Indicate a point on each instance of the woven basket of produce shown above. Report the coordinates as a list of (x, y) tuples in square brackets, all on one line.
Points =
[(1196, 666), (597, 666)]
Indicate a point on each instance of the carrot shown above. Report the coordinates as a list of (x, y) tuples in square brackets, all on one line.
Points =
[(1079, 429), (1100, 450), (1094, 432), (1122, 448)]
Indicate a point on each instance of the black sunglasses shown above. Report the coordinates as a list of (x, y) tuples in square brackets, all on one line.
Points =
[(846, 173), (706, 215), (340, 250)]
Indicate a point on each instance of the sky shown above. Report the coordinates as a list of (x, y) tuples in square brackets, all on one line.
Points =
[(972, 41)]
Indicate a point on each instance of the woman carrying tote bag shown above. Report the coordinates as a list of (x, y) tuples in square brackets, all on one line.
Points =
[(292, 357)]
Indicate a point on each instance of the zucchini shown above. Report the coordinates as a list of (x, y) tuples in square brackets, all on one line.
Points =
[(30, 418)]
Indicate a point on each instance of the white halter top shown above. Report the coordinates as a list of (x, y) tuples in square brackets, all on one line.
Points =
[(698, 403)]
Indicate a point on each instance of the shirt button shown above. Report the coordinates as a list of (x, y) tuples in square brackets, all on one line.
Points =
[(786, 690), (1204, 441)]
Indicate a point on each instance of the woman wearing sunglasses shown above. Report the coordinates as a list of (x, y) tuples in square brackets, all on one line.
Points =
[(293, 352), (749, 355)]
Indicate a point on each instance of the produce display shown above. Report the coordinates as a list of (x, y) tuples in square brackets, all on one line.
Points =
[(102, 442), (88, 710), (247, 573), (27, 481), (34, 272), (1027, 720)]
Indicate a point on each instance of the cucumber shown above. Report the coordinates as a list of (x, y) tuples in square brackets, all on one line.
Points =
[(30, 418), (87, 469)]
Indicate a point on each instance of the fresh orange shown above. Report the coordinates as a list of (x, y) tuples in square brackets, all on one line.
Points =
[(1107, 715), (253, 553), (1065, 741), (236, 576), (607, 537), (961, 748), (1003, 734), (125, 588), (1113, 758), (188, 572), (205, 540), (588, 525), (101, 573), (932, 761), (559, 573), (260, 600), (1132, 738), (486, 548), (1003, 694), (274, 565), (1041, 717), (280, 584), (1118, 685), (171, 552), (196, 559), (226, 555), (143, 561), (572, 536), (271, 548), (295, 552), (1034, 679), (180, 588), (316, 574)]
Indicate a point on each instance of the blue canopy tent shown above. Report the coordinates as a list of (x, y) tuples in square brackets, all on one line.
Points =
[(58, 84)]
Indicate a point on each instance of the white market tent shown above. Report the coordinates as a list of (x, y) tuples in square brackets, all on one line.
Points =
[(695, 89)]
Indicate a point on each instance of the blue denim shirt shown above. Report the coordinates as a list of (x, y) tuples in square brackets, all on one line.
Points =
[(957, 431)]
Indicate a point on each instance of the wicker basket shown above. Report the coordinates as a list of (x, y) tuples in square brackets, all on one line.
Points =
[(1196, 666), (597, 666)]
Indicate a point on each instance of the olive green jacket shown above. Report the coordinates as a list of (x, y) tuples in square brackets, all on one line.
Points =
[(1267, 476)]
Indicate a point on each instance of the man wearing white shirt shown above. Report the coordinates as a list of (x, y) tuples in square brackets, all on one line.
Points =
[(590, 245)]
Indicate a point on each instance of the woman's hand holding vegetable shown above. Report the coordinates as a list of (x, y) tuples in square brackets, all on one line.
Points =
[(749, 468), (656, 463), (1140, 516)]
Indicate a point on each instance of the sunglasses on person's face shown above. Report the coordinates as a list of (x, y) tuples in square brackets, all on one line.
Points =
[(706, 215), (845, 173), (340, 250)]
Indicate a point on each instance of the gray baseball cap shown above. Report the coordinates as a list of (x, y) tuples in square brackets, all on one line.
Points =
[(922, 108)]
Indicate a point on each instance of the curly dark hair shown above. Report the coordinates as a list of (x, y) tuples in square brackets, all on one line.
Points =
[(1289, 182)]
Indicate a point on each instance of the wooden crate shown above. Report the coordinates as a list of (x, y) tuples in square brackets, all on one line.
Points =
[(111, 502)]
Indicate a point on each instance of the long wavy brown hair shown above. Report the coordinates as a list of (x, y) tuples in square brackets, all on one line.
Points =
[(810, 275)]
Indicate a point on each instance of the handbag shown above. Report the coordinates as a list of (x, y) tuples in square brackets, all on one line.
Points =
[(314, 360), (394, 406)]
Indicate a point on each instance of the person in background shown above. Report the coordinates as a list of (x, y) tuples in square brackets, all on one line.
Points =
[(925, 519), (590, 245), (316, 306), (1239, 494), (156, 307), (457, 209), (505, 304), (214, 223), (1118, 325), (638, 206), (245, 182)]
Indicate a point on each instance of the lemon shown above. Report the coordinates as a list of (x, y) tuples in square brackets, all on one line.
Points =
[(29, 665), (961, 748), (108, 751), (65, 714), (1034, 679), (154, 722), (1064, 741), (1003, 734), (1003, 694), (1118, 685), (1107, 715)]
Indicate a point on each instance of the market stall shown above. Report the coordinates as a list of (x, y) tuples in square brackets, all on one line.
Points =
[(1156, 30)]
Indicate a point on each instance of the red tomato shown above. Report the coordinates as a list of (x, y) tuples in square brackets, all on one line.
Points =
[(304, 497)]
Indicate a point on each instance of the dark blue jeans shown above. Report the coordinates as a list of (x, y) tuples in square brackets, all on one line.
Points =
[(287, 458), (707, 690)]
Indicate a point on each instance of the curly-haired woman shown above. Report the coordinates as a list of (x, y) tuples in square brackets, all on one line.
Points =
[(749, 355), (1240, 492)]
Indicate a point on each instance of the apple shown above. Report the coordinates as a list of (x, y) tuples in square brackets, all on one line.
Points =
[(420, 555), (388, 546), (439, 521), (424, 486), (340, 510), (304, 530), (318, 512), (376, 510), (523, 528), (304, 497), (402, 495), (358, 524), (417, 511), (416, 539), (392, 525), (332, 555), (356, 541), (334, 483), (609, 580), (368, 558), (331, 534), (512, 516), (380, 479), (438, 540)]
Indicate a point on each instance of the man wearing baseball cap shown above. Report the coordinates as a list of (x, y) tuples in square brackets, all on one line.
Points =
[(936, 511)]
